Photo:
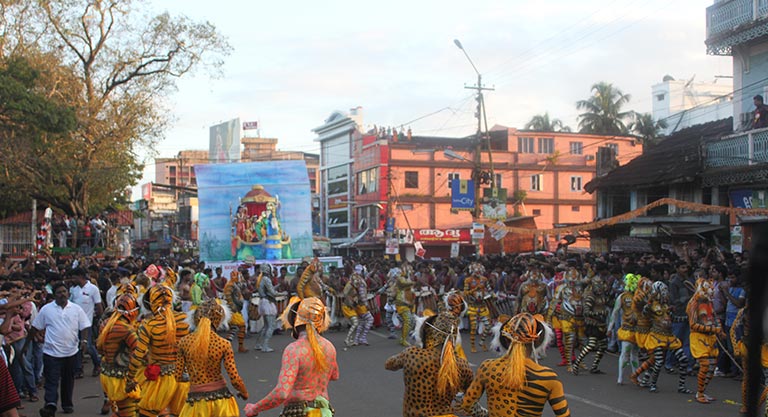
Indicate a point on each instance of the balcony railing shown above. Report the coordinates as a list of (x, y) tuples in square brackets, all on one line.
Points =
[(724, 16), (741, 149)]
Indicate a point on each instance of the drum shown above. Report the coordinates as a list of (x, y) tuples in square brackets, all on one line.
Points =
[(490, 302), (506, 304), (373, 303), (253, 308), (281, 302)]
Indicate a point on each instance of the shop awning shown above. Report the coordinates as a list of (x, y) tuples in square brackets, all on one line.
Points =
[(690, 229), (354, 240)]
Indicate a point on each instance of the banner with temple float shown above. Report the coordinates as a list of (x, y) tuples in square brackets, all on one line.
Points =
[(254, 211)]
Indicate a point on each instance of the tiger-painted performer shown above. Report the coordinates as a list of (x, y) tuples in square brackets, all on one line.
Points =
[(308, 365), (596, 316), (116, 340), (476, 289), (705, 329), (739, 335), (626, 333), (200, 355), (660, 339), (356, 310), (233, 296), (267, 307), (433, 371), (155, 354), (404, 303), (568, 307), (532, 296), (310, 284), (515, 384), (640, 299)]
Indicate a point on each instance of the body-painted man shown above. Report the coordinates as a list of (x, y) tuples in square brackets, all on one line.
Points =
[(532, 297), (355, 309), (660, 339), (234, 299), (705, 329), (155, 354), (595, 316), (115, 343), (267, 307), (201, 355), (308, 365), (404, 301), (433, 372), (515, 384), (475, 291), (568, 307), (626, 333)]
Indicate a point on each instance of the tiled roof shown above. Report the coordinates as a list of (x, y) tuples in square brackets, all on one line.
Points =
[(677, 159)]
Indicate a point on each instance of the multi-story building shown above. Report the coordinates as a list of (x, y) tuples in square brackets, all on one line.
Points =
[(409, 179), (737, 164), (685, 103), (179, 171), (335, 137)]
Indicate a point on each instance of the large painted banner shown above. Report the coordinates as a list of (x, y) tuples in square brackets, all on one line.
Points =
[(254, 211), (224, 142)]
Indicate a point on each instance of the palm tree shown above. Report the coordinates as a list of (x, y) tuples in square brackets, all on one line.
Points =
[(648, 129), (542, 123), (603, 111)]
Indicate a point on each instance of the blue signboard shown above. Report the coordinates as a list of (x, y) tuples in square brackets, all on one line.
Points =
[(463, 195), (741, 199), (390, 225)]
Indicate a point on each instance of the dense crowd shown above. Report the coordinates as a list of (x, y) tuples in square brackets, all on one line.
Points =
[(681, 313)]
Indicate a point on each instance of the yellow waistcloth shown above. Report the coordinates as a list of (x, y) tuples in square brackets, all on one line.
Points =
[(655, 340), (114, 388), (163, 392), (223, 407), (626, 335), (237, 320), (703, 345)]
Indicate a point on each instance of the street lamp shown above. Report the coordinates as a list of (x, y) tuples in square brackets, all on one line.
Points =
[(450, 154), (460, 46)]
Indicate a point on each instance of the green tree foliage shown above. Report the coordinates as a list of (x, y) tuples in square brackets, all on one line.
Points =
[(648, 129), (543, 123), (114, 66), (603, 111)]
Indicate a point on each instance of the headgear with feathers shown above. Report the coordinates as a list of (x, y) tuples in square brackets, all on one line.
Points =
[(441, 331), (517, 334), (208, 316), (161, 303), (125, 306), (310, 312)]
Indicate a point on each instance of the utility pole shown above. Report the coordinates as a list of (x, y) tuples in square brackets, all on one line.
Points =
[(480, 115)]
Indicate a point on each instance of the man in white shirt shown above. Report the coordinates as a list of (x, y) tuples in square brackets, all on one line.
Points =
[(66, 327), (86, 295)]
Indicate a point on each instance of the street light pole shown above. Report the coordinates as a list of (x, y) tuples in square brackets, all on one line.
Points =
[(476, 213)]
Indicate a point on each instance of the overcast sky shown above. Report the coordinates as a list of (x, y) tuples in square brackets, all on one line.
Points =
[(295, 62)]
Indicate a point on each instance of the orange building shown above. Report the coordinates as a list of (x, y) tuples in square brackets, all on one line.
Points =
[(413, 177)]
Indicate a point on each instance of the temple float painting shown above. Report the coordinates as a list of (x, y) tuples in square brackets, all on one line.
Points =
[(254, 211)]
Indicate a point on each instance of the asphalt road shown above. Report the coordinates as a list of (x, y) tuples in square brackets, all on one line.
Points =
[(365, 388)]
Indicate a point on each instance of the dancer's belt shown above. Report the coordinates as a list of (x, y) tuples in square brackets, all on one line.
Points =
[(210, 391), (207, 387), (296, 408)]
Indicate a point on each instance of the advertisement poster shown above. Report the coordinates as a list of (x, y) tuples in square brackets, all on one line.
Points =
[(224, 142), (463, 195), (495, 203), (254, 211), (393, 246)]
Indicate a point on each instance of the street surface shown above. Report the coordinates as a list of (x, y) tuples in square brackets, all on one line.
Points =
[(365, 388)]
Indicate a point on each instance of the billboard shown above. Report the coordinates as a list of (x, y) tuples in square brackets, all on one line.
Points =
[(254, 211), (463, 195), (495, 203), (224, 145)]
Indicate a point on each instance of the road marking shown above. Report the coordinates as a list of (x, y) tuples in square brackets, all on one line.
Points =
[(605, 407)]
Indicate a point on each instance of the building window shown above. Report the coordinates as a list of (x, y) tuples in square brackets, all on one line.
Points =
[(453, 176), (660, 97), (338, 232), (537, 182), (368, 218), (577, 148), (575, 208), (525, 145), (367, 181), (172, 170), (546, 145), (497, 182), (405, 207), (338, 187), (338, 172), (576, 184), (537, 212), (411, 179), (338, 217), (615, 148)]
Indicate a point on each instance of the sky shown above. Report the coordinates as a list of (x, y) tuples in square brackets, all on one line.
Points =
[(294, 63)]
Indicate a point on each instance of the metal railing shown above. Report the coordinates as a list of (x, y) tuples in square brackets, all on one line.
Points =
[(746, 148), (725, 16), (15, 239)]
